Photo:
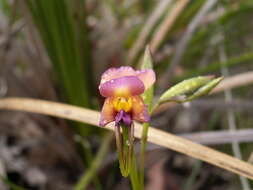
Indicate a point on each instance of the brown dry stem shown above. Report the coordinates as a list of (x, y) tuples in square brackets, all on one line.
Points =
[(155, 136)]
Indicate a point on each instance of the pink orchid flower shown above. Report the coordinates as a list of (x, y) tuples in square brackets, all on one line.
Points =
[(122, 88)]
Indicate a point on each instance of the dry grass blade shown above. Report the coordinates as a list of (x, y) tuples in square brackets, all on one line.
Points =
[(231, 116), (167, 24), (251, 158), (238, 80), (154, 17), (154, 136), (182, 45), (220, 137)]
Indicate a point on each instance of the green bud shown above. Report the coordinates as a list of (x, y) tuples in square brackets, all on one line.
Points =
[(180, 91), (204, 90)]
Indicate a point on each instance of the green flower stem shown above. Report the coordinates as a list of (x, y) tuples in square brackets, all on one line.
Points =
[(142, 153), (127, 159), (128, 162), (120, 150), (131, 146), (87, 177), (126, 146), (134, 175)]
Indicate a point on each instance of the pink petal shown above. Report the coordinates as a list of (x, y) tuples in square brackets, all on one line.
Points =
[(122, 87), (114, 73), (108, 113), (147, 76), (139, 110)]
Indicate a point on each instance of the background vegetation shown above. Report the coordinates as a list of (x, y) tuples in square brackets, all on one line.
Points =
[(57, 50)]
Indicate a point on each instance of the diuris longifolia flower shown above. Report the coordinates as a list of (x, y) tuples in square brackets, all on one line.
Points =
[(122, 88)]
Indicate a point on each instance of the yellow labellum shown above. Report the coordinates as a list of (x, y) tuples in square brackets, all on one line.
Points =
[(122, 103)]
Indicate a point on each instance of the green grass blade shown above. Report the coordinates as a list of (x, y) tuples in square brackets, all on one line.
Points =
[(61, 24)]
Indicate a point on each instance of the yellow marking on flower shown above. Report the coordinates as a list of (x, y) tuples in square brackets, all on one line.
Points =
[(122, 103), (122, 92)]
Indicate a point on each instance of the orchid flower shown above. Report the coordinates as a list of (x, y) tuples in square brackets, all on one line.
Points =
[(122, 88)]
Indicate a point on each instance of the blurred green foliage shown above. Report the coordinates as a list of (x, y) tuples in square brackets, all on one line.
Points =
[(61, 24)]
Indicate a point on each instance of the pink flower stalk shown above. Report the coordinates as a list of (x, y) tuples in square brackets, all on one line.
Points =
[(122, 88)]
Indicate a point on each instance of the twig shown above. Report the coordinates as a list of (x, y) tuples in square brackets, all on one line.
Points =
[(220, 137), (213, 138), (169, 49), (155, 136), (218, 104), (208, 103), (182, 45), (11, 33), (235, 81), (231, 117), (165, 51), (213, 16), (250, 160), (12, 30), (166, 25), (148, 25)]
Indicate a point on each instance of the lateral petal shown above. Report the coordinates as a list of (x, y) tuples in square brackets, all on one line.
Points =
[(140, 110), (108, 113), (147, 76)]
